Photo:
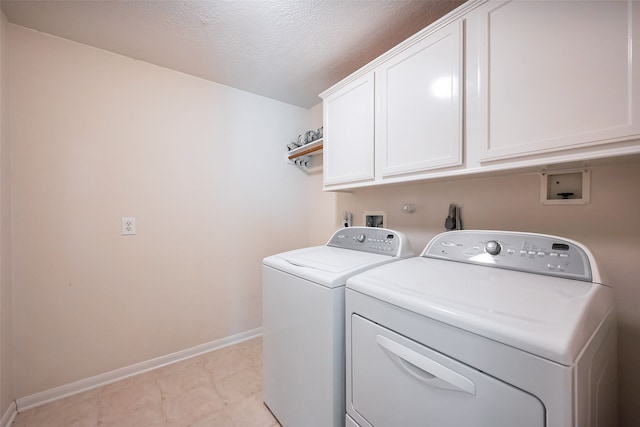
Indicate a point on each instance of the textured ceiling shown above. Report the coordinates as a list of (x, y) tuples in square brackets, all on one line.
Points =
[(289, 50)]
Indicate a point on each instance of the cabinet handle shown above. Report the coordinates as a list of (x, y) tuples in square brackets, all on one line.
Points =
[(430, 372)]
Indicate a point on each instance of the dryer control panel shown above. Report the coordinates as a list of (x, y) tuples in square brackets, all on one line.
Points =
[(371, 239), (529, 252)]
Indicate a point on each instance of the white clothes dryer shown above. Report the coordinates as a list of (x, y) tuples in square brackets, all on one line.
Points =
[(303, 322), (485, 328)]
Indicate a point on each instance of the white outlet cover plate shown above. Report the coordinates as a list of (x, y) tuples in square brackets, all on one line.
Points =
[(128, 226)]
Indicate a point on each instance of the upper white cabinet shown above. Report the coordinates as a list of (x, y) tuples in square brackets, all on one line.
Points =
[(419, 116), (401, 118), (495, 85), (552, 76), (349, 125)]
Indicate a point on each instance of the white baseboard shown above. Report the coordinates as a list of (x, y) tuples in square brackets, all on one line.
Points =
[(60, 392), (9, 415)]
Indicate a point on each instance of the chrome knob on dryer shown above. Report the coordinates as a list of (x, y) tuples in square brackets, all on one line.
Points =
[(360, 238), (492, 247)]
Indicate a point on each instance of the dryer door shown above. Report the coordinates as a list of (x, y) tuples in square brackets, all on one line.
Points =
[(399, 382)]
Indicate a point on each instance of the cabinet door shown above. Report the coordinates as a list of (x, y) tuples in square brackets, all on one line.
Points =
[(418, 122), (555, 75), (349, 133)]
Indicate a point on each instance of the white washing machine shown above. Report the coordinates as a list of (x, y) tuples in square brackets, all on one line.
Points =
[(303, 322), (485, 328)]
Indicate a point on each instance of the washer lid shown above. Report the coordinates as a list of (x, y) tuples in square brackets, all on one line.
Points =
[(548, 316), (326, 265)]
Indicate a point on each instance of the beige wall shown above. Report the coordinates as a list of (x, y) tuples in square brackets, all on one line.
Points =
[(609, 226), (6, 324), (97, 136)]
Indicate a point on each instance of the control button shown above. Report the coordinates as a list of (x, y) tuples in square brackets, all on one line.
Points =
[(551, 266), (361, 238), (523, 252), (561, 267), (511, 251), (492, 247), (541, 254), (532, 252), (555, 254), (564, 255), (447, 243)]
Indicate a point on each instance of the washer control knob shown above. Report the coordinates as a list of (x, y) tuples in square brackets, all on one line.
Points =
[(361, 238), (492, 247)]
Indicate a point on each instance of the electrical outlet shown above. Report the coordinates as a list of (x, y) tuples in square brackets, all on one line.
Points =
[(128, 226)]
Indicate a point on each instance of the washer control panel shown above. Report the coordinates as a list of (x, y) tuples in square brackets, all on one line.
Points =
[(370, 239), (529, 252)]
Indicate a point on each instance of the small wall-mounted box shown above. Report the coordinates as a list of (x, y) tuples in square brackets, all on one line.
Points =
[(375, 219), (568, 187)]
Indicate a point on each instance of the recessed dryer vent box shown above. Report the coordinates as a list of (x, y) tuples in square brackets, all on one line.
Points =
[(565, 187)]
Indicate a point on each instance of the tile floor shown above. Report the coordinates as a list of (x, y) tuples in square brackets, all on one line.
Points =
[(222, 388)]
